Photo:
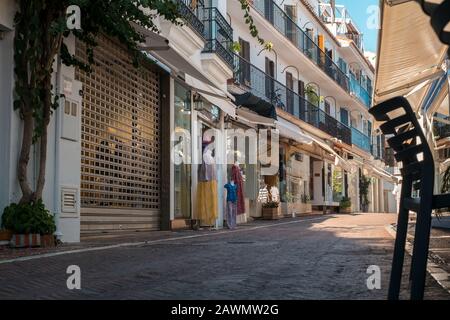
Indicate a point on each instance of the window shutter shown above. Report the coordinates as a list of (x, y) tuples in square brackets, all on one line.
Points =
[(321, 42), (301, 88)]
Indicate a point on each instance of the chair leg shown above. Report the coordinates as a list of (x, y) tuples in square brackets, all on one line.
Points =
[(421, 241), (399, 249), (420, 254), (399, 254)]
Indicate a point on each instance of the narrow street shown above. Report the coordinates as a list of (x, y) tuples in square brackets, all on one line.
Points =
[(316, 257)]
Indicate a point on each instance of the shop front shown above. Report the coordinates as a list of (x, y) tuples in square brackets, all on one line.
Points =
[(197, 153), (200, 169), (182, 161), (120, 141), (240, 170)]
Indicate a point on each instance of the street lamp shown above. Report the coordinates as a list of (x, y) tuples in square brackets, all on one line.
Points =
[(294, 67), (198, 102), (276, 59)]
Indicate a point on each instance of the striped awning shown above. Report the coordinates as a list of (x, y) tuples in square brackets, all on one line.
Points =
[(410, 55)]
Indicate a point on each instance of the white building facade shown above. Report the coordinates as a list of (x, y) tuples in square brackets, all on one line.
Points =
[(110, 165)]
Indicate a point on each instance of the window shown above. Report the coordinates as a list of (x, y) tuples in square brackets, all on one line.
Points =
[(244, 64), (291, 27), (327, 107), (344, 116), (270, 84), (182, 172), (290, 92)]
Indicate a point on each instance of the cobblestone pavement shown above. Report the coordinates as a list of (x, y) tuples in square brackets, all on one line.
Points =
[(324, 257), (439, 248)]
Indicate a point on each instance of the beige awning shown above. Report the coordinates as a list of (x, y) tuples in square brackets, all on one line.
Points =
[(222, 103), (384, 174), (339, 161), (441, 102), (161, 49), (292, 132), (212, 95), (409, 53), (246, 116)]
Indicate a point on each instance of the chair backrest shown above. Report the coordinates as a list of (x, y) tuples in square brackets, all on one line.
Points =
[(408, 140)]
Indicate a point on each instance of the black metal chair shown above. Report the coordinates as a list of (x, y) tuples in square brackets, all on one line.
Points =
[(412, 150)]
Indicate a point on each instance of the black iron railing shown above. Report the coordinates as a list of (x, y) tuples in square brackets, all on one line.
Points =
[(357, 39), (441, 130), (266, 87), (360, 92), (192, 13), (218, 35), (361, 140), (378, 147), (289, 28)]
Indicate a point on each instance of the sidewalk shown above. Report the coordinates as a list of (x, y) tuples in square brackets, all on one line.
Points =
[(128, 239), (439, 252)]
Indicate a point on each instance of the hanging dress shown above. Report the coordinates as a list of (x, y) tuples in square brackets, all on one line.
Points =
[(236, 176)]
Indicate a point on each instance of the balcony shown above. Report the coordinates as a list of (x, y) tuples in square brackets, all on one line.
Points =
[(218, 35), (356, 38), (378, 148), (286, 26), (252, 79), (441, 130), (360, 92), (192, 12), (361, 140)]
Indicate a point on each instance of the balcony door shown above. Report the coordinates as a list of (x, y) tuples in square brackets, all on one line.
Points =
[(244, 63), (302, 102), (270, 84), (344, 116), (291, 27), (289, 93), (269, 10)]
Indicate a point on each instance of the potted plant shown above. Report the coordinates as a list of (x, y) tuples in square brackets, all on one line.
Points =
[(312, 95), (290, 200), (32, 225), (236, 47), (364, 184), (306, 200), (270, 210), (345, 205)]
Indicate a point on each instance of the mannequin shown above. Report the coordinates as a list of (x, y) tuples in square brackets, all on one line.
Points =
[(207, 203), (275, 194), (231, 208)]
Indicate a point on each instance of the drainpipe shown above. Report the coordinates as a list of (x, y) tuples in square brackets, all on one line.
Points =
[(56, 197)]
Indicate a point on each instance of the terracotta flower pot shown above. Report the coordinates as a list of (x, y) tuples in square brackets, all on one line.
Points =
[(5, 235), (345, 210), (32, 240), (271, 213)]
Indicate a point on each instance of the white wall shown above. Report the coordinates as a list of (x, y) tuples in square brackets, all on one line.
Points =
[(7, 116), (7, 9), (304, 17), (63, 157), (392, 199), (317, 180)]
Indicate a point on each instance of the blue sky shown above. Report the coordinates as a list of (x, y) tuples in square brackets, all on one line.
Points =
[(358, 12)]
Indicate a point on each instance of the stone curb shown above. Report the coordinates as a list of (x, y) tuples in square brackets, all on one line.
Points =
[(441, 276)]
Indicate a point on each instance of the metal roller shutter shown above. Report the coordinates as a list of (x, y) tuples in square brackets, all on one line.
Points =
[(119, 143)]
